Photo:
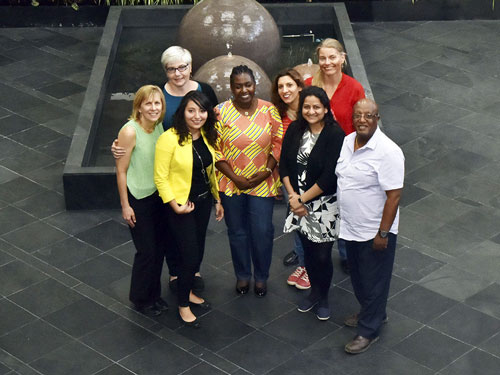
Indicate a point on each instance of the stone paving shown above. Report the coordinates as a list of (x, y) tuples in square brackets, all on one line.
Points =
[(64, 275)]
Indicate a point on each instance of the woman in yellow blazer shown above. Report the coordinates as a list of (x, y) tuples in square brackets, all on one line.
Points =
[(185, 177)]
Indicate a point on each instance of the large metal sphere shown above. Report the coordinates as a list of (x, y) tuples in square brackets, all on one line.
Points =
[(243, 27), (307, 70), (216, 73)]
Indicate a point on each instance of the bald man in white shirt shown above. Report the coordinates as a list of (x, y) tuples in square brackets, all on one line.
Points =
[(370, 175)]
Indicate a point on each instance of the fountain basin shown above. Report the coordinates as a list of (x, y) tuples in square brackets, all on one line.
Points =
[(89, 174)]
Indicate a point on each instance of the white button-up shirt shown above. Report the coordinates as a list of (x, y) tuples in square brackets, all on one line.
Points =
[(363, 177)]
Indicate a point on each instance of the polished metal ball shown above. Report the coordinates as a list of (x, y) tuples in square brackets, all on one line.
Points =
[(243, 27)]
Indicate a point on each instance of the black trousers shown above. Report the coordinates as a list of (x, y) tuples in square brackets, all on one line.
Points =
[(319, 266), (371, 273), (189, 232), (147, 235)]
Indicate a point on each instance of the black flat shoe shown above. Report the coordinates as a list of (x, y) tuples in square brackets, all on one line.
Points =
[(150, 310), (260, 291), (161, 304), (194, 324), (242, 289), (204, 305)]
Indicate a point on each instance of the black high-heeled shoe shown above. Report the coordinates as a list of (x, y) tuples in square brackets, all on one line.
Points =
[(242, 288), (260, 291)]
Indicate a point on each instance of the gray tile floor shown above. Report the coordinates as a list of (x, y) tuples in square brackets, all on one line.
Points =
[(64, 276)]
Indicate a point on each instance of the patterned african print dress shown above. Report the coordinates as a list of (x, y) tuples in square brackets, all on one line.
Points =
[(320, 223), (245, 143)]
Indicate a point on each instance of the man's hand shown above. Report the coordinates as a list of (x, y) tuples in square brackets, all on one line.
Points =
[(380, 243)]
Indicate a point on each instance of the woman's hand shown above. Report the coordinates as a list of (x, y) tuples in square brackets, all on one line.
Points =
[(128, 215), (242, 183), (293, 200), (258, 177), (219, 211), (301, 211), (183, 209), (116, 150), (296, 207)]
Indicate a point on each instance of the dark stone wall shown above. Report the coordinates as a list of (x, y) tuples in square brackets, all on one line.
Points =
[(359, 10)]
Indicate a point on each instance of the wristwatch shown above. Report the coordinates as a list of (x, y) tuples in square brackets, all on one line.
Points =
[(300, 200), (382, 233)]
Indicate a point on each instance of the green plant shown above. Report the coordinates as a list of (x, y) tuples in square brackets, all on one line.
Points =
[(143, 2), (74, 3)]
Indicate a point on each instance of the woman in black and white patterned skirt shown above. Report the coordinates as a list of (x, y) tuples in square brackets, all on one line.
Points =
[(309, 155)]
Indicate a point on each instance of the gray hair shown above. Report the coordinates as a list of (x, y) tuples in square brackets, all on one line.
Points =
[(175, 53)]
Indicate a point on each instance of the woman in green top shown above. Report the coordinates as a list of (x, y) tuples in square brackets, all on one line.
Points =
[(141, 205)]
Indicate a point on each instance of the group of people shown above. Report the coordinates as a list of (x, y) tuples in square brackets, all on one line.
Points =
[(317, 143)]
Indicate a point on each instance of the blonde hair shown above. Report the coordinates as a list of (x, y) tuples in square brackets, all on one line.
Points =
[(327, 43), (144, 93)]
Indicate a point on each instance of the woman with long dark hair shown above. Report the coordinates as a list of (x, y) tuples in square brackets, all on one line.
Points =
[(184, 173), (285, 92), (309, 155)]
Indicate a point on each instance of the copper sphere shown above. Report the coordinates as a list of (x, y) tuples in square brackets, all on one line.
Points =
[(307, 70), (216, 73), (243, 27)]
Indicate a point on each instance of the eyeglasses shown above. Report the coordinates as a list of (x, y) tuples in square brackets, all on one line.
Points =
[(180, 68), (368, 116)]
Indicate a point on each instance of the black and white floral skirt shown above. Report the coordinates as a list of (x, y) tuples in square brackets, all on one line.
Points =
[(322, 222)]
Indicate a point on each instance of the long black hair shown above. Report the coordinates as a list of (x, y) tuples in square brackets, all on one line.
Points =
[(179, 122), (319, 93)]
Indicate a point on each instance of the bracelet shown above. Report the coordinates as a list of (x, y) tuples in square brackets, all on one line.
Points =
[(269, 170), (300, 200)]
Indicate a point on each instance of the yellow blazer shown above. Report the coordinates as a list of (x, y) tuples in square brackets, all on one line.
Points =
[(174, 167)]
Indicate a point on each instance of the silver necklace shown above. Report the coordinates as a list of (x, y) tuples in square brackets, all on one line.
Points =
[(203, 171)]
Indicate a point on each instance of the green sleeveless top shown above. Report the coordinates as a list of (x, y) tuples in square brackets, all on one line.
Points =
[(140, 172)]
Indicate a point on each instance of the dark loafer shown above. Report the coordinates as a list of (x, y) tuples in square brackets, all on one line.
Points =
[(291, 259), (359, 344), (161, 304), (150, 310)]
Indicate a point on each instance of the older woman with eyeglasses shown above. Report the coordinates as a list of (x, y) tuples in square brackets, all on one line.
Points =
[(176, 62)]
